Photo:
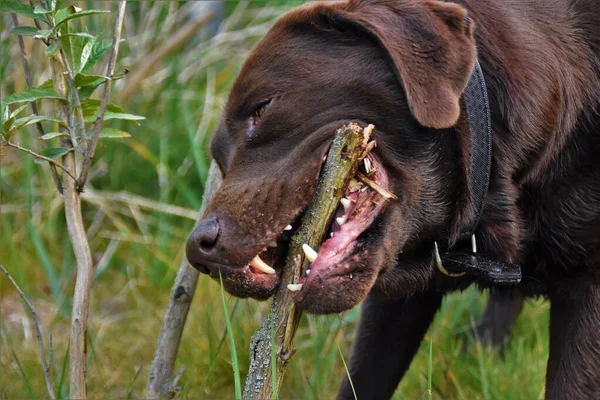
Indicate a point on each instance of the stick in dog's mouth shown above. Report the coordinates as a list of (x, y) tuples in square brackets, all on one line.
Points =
[(363, 200)]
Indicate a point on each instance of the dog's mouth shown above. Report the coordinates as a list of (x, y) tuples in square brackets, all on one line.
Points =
[(342, 255)]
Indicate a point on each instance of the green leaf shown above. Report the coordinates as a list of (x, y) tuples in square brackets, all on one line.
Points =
[(18, 110), (85, 80), (3, 112), (108, 115), (43, 34), (79, 34), (40, 10), (25, 30), (113, 133), (49, 84), (86, 84), (85, 54), (17, 7), (63, 13), (73, 47), (53, 135), (34, 119), (98, 50), (76, 14), (51, 4), (32, 94), (53, 153), (52, 50), (91, 106), (8, 125)]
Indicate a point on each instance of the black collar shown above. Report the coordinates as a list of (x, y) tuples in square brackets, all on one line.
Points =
[(480, 131), (456, 262)]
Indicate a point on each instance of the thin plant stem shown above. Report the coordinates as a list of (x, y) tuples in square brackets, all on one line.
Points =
[(29, 82), (91, 148), (38, 334), (50, 160), (74, 99)]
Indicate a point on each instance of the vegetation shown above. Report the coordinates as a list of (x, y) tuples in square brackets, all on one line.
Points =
[(139, 206)]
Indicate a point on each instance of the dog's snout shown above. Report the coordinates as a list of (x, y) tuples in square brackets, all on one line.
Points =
[(201, 243)]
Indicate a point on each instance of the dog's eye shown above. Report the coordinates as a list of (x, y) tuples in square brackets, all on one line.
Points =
[(257, 115)]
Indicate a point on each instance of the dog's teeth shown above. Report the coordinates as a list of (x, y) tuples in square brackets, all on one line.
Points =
[(288, 228), (331, 234), (308, 272), (273, 244), (341, 220), (367, 163), (262, 266), (345, 203), (294, 287), (309, 252)]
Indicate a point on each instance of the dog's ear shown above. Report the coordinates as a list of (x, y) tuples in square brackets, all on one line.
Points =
[(430, 44)]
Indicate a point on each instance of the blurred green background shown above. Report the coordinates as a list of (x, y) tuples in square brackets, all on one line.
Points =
[(139, 208)]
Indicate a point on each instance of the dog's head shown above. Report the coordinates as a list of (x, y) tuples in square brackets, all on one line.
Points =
[(400, 65)]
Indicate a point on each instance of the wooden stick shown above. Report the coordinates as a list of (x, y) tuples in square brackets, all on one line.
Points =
[(161, 382), (345, 155)]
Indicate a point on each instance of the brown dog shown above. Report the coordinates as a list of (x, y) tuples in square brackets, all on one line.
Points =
[(403, 65)]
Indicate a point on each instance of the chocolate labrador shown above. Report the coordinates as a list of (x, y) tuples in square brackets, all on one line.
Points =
[(404, 66)]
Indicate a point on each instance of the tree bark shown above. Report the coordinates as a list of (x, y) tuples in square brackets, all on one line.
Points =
[(161, 382)]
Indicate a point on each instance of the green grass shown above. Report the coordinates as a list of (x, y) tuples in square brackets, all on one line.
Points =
[(137, 250), (232, 350)]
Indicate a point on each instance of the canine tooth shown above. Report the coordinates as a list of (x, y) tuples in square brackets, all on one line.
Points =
[(262, 266), (341, 220), (294, 287), (309, 252), (331, 234), (288, 228), (368, 166), (273, 244), (345, 203), (308, 272)]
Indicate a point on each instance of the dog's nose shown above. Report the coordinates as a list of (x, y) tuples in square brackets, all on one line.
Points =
[(201, 243)]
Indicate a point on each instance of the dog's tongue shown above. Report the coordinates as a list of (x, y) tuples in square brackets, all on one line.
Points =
[(352, 218), (356, 219)]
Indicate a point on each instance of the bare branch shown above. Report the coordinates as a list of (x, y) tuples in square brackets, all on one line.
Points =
[(161, 382), (38, 334), (50, 160), (29, 82), (91, 148)]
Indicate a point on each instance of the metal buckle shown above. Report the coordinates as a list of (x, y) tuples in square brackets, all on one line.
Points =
[(440, 265)]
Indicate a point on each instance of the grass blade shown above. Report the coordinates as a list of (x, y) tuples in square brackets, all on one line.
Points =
[(430, 370), (347, 372), (23, 374), (234, 360)]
